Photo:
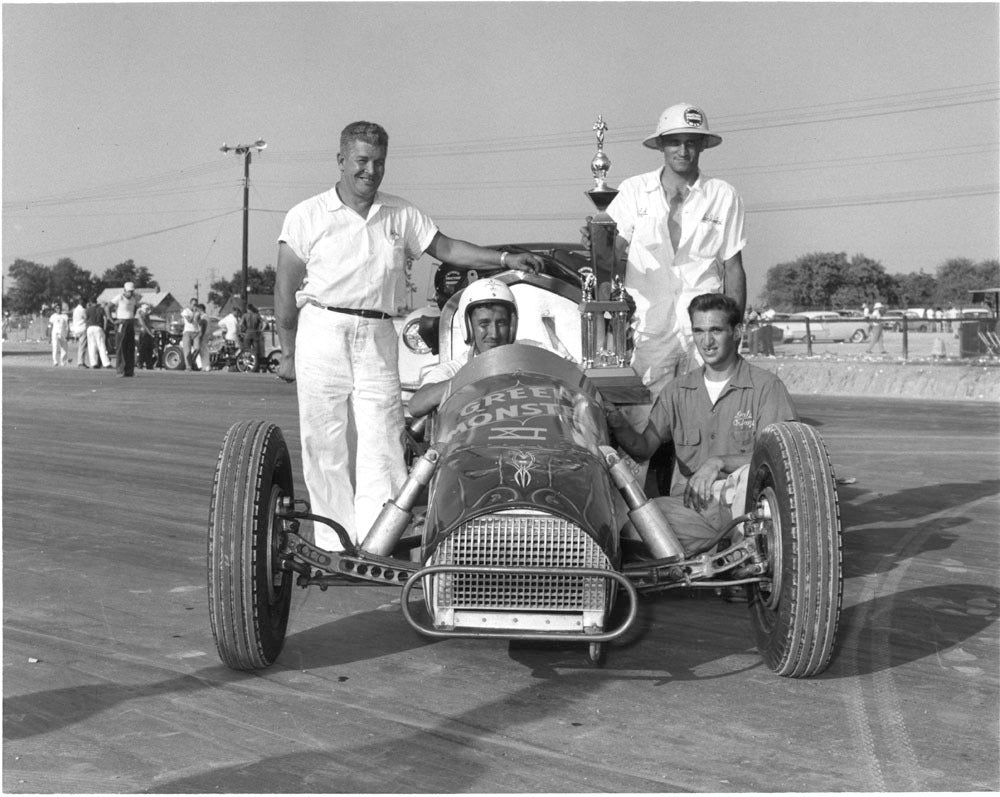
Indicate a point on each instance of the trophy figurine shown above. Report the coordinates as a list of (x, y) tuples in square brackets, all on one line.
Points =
[(600, 194)]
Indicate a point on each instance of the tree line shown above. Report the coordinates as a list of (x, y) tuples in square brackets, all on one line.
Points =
[(831, 281), (33, 286), (819, 281)]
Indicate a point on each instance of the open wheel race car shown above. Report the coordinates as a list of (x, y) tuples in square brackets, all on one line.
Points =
[(510, 522)]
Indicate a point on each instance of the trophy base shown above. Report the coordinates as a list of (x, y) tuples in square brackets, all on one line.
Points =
[(619, 385)]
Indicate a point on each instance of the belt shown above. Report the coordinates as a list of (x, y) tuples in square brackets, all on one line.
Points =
[(377, 314)]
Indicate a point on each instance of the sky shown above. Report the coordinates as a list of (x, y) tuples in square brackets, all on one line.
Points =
[(847, 127)]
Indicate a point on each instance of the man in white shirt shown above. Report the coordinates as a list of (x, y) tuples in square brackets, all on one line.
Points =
[(59, 329), (341, 261), (126, 303), (229, 328), (190, 334), (683, 234), (78, 329)]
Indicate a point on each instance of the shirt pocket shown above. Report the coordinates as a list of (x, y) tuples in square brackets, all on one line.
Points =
[(709, 239), (686, 443)]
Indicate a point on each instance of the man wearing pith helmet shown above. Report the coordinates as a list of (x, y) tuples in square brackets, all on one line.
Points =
[(683, 232)]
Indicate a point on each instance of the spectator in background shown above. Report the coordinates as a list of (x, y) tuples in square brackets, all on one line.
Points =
[(189, 334), (250, 329), (753, 330), (126, 303), (938, 319), (875, 329), (229, 328), (147, 343), (78, 330), (96, 340), (765, 335), (951, 316), (204, 355), (59, 332)]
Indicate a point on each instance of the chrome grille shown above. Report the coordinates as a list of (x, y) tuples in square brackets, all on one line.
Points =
[(520, 540)]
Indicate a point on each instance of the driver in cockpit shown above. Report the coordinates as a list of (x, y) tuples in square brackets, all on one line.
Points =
[(490, 315)]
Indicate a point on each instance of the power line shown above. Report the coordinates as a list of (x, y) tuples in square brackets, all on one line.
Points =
[(81, 247)]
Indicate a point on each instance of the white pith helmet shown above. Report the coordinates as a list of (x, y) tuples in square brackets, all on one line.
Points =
[(486, 291), (682, 118)]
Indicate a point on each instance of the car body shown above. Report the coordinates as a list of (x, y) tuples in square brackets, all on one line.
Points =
[(511, 521)]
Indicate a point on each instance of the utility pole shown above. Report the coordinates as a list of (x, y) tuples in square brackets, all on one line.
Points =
[(245, 150)]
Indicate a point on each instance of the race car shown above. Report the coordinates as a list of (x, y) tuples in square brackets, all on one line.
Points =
[(510, 524)]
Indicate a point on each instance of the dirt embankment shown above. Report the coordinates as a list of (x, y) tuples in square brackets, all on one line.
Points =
[(949, 381)]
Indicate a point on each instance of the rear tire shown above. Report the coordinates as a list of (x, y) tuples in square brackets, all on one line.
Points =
[(859, 336), (249, 595), (795, 615)]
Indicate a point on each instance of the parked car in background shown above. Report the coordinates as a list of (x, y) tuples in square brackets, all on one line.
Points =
[(892, 321), (824, 325)]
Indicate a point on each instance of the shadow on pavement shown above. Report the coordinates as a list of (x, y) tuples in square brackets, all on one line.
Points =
[(908, 626)]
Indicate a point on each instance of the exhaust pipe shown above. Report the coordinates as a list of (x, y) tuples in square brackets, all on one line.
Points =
[(646, 516), (396, 514)]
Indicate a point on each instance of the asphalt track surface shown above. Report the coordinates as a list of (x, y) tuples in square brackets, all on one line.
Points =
[(111, 680)]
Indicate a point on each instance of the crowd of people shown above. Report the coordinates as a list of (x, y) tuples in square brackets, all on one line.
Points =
[(126, 323)]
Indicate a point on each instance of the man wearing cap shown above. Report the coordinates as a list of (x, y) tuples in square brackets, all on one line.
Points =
[(341, 261), (683, 233), (126, 303)]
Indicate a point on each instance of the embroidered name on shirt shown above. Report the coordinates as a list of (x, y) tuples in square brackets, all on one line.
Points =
[(712, 219), (743, 419)]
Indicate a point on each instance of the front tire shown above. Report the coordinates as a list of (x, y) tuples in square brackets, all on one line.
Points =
[(249, 594), (795, 614)]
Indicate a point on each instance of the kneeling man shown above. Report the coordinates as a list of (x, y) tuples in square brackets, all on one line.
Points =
[(490, 318), (713, 415)]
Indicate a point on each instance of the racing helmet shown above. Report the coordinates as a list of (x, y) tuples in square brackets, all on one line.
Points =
[(486, 291)]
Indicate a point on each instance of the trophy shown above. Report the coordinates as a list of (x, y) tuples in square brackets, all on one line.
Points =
[(604, 305), (603, 347)]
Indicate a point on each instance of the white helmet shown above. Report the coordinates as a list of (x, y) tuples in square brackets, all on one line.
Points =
[(486, 291)]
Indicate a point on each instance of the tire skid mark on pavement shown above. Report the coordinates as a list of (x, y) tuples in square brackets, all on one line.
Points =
[(879, 721)]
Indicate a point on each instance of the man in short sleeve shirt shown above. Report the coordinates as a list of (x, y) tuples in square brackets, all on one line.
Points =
[(684, 236), (713, 414), (341, 261), (126, 304)]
